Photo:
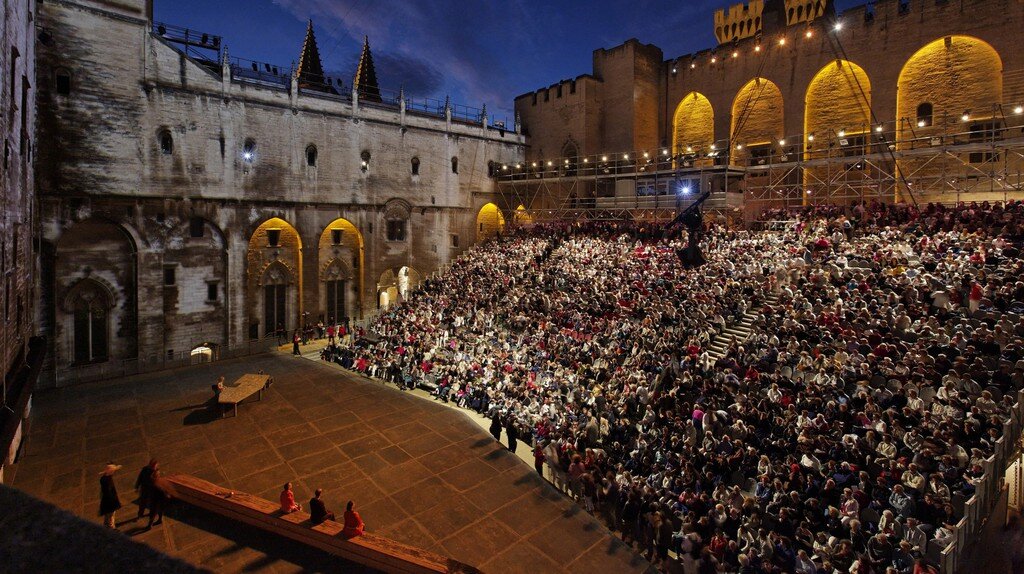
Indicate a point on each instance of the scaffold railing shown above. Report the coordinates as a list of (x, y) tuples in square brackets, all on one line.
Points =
[(943, 158)]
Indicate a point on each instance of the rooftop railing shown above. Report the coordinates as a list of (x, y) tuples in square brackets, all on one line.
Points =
[(209, 50)]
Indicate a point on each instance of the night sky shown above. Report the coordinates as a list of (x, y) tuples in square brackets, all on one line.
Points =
[(478, 51)]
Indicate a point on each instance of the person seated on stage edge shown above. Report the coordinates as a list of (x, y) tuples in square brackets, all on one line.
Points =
[(318, 510), (353, 522), (288, 504)]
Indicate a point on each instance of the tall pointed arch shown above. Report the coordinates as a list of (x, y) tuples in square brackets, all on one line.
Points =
[(837, 122), (947, 80), (489, 222), (757, 119), (693, 125), (274, 279), (341, 252)]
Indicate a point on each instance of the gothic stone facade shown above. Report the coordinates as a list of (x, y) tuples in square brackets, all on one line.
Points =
[(182, 207), (784, 81), (17, 193)]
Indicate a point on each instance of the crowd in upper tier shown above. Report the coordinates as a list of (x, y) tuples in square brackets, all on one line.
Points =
[(842, 435)]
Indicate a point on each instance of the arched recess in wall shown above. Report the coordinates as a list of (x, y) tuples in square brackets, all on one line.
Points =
[(946, 78), (693, 125), (274, 279), (387, 289), (837, 120), (489, 222), (522, 216), (757, 120), (96, 277), (340, 271)]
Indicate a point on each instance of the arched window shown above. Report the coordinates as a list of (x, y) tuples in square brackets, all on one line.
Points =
[(62, 81), (311, 155), (415, 166), (924, 115), (166, 142), (455, 165), (90, 325), (365, 160), (249, 150)]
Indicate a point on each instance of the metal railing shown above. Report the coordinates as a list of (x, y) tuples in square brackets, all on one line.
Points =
[(208, 49), (986, 492)]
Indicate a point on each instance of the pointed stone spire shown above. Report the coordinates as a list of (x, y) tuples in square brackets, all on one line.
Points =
[(366, 76), (310, 72)]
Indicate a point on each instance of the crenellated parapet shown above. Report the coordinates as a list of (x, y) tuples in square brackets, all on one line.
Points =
[(740, 21), (804, 11)]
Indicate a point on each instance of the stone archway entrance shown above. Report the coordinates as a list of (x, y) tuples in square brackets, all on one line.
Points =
[(274, 291), (489, 222)]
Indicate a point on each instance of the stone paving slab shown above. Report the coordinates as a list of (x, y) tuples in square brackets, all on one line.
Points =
[(419, 472)]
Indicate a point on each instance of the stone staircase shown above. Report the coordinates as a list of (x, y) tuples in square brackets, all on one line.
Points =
[(738, 331)]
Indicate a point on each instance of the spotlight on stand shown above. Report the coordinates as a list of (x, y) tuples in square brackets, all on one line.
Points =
[(691, 217)]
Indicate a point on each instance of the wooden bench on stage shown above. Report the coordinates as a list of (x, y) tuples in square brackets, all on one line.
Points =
[(369, 549), (245, 387)]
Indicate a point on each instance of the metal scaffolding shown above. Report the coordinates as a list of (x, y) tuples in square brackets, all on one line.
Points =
[(925, 159)]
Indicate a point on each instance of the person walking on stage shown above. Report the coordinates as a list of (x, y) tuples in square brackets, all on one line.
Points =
[(109, 501), (144, 486)]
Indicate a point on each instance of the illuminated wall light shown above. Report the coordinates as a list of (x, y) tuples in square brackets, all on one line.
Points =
[(693, 65), (625, 156), (713, 59), (1018, 110), (689, 149), (810, 137), (808, 192), (809, 34), (842, 133), (838, 26), (586, 160), (646, 155), (549, 163), (712, 147), (504, 168), (735, 54), (566, 162), (967, 116), (673, 69), (534, 164), (739, 146), (685, 189), (604, 158), (782, 41), (518, 166), (878, 128), (782, 142), (757, 48), (920, 123), (664, 152)]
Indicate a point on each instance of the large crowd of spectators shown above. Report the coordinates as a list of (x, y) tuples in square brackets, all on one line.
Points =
[(842, 435)]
